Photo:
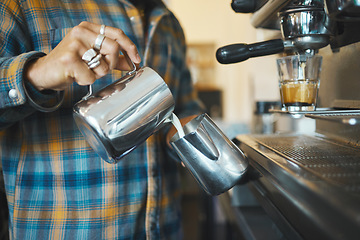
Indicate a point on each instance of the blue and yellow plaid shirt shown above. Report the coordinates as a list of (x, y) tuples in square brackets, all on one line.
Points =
[(57, 187)]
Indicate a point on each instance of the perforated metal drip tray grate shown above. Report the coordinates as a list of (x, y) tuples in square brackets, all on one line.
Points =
[(331, 161), (351, 118)]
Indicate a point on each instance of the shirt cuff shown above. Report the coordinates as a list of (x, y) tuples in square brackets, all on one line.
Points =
[(44, 101)]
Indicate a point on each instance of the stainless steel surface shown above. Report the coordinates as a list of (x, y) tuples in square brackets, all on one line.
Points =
[(305, 4), (116, 119), (345, 118), (318, 111), (266, 16), (340, 73), (334, 163), (306, 44), (305, 27), (338, 26), (312, 181), (308, 29), (215, 161)]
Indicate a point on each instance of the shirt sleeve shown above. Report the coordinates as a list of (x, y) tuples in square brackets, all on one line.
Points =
[(15, 52)]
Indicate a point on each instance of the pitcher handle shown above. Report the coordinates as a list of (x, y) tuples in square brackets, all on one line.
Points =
[(131, 63), (131, 72)]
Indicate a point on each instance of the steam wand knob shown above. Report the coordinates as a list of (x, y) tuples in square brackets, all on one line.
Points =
[(240, 52)]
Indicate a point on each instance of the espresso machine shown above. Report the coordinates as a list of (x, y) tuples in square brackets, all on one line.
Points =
[(306, 27), (308, 185)]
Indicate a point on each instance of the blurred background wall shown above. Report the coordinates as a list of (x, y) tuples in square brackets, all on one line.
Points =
[(213, 24)]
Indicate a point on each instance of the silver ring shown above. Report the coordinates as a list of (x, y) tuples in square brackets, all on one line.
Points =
[(88, 55), (102, 29), (94, 65), (94, 60), (98, 41)]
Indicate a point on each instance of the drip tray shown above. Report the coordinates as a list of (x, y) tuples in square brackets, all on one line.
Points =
[(306, 179), (333, 162)]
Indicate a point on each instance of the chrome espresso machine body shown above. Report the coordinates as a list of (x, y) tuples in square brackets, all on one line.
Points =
[(309, 184), (306, 26)]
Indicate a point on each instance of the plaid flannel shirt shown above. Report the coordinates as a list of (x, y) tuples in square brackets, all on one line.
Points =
[(57, 187)]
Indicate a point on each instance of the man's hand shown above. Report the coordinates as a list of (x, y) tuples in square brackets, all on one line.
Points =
[(64, 64)]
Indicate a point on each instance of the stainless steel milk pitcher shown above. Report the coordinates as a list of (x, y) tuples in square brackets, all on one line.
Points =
[(116, 119), (216, 162)]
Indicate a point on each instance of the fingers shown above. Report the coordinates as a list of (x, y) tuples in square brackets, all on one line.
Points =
[(102, 69), (115, 41), (82, 74), (124, 42), (65, 63)]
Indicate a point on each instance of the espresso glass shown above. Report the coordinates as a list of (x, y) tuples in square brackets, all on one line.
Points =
[(299, 81)]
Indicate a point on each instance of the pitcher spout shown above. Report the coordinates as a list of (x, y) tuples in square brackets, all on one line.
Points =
[(202, 141)]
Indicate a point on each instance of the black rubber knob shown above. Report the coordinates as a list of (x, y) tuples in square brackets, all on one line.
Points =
[(243, 6), (240, 52)]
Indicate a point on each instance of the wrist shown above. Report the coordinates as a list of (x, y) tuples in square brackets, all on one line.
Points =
[(32, 73)]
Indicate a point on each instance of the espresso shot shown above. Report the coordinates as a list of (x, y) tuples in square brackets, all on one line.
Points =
[(299, 94), (299, 81)]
